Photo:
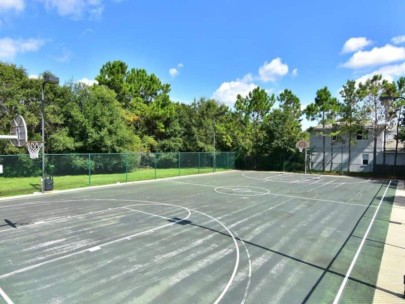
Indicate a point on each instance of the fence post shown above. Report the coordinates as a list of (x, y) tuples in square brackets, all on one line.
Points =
[(179, 163), (126, 167), (199, 160), (89, 167), (156, 156)]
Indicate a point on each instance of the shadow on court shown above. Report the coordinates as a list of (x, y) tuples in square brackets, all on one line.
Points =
[(9, 223), (325, 270), (36, 186), (14, 225)]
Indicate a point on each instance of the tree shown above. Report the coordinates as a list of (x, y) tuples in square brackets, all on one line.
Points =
[(324, 110), (113, 75), (197, 124), (146, 104), (393, 97), (15, 98), (131, 86), (352, 119), (252, 110), (94, 118), (371, 91), (400, 111), (283, 125), (159, 121)]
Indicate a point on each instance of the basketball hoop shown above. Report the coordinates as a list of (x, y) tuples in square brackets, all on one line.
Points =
[(301, 145), (33, 148)]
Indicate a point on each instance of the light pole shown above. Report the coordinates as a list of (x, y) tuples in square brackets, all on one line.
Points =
[(51, 79), (215, 157), (215, 131)]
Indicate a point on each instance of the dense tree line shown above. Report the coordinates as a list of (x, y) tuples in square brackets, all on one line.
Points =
[(131, 110)]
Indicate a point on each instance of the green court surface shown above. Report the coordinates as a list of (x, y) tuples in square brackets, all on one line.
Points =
[(229, 237)]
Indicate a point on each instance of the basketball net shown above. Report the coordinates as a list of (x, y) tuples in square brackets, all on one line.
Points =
[(33, 148)]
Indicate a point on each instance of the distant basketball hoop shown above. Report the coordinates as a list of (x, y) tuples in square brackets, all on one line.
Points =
[(33, 148), (301, 145)]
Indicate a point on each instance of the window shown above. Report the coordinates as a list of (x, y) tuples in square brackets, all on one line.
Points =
[(365, 159), (362, 135), (334, 137)]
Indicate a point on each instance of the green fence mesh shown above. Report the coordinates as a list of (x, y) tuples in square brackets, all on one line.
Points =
[(23, 175)]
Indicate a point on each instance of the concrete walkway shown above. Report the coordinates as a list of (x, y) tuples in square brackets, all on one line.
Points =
[(390, 283)]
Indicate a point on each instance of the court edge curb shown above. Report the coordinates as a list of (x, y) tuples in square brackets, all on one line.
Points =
[(390, 285)]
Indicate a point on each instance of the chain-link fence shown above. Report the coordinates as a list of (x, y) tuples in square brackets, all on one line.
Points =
[(23, 175), (340, 161), (343, 160), (291, 162)]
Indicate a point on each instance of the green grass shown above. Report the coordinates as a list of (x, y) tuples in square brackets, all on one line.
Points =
[(26, 185)]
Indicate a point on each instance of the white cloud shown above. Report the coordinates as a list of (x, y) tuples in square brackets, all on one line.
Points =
[(268, 72), (76, 8), (88, 82), (176, 71), (393, 70), (398, 39), (6, 5), (228, 91), (355, 44), (271, 71), (173, 72), (377, 56), (9, 47), (364, 78), (389, 72)]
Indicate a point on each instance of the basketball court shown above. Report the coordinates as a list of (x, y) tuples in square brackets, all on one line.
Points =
[(232, 237)]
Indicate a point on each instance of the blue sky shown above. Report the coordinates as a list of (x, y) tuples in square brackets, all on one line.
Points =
[(214, 49)]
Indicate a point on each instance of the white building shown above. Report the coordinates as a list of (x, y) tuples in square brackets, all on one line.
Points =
[(337, 150)]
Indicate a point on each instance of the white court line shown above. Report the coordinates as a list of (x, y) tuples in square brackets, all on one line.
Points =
[(306, 178), (235, 269), (290, 196), (319, 199), (148, 213), (42, 203), (68, 218), (320, 186), (249, 272), (62, 219), (95, 248), (342, 287), (224, 291), (194, 184), (100, 245), (124, 184), (5, 297)]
